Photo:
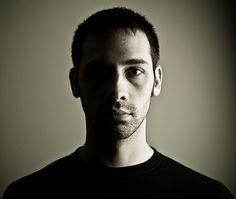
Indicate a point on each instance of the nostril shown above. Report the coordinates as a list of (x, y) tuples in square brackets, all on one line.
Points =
[(122, 98)]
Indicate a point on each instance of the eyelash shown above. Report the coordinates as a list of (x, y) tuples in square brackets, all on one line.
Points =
[(132, 71)]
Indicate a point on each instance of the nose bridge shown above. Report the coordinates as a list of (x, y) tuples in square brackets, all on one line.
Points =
[(119, 86)]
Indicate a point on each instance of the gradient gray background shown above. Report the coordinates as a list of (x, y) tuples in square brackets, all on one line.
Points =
[(193, 120)]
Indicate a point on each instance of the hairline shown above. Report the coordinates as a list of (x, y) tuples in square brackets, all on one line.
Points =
[(127, 30)]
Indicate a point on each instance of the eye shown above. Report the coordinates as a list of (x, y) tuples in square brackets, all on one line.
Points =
[(133, 72), (98, 72)]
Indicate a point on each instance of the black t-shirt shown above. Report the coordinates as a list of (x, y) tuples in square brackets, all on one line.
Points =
[(158, 177)]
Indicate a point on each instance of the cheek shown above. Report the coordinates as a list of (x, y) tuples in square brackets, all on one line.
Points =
[(91, 99), (87, 99), (142, 101), (144, 90), (145, 93)]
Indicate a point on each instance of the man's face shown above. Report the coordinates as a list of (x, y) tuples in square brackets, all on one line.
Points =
[(116, 81)]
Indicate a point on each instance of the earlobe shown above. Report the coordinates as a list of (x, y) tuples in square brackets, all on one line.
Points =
[(74, 82), (158, 80)]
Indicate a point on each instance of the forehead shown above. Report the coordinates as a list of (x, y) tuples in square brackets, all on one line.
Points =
[(116, 46)]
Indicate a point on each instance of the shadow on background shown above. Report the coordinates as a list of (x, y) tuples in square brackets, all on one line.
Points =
[(193, 121)]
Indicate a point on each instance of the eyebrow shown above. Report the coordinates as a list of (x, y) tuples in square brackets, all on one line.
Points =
[(126, 62), (95, 63), (134, 61)]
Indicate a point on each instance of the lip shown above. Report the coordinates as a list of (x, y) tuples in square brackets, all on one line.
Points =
[(117, 115), (119, 112)]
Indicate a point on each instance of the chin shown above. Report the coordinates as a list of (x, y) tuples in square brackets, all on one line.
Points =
[(118, 132)]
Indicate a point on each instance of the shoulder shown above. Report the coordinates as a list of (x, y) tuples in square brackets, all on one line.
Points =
[(182, 178), (181, 172), (43, 179)]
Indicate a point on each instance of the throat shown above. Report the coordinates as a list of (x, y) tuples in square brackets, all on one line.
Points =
[(100, 150), (124, 156), (116, 156)]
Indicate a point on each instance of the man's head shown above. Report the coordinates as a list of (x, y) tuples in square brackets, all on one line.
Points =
[(114, 72), (113, 19)]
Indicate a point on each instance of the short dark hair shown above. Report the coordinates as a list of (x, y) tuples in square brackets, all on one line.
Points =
[(113, 19)]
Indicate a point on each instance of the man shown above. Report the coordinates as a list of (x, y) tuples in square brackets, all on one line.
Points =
[(115, 54)]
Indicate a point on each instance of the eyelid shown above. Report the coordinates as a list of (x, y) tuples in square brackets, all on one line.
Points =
[(137, 68)]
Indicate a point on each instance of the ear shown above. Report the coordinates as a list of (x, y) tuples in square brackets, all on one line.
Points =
[(74, 81), (157, 80)]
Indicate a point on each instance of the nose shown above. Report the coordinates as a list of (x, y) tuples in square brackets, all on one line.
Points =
[(118, 88)]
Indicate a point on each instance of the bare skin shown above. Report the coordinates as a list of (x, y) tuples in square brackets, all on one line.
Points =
[(115, 82)]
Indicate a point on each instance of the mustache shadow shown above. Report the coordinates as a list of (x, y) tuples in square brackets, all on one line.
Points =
[(119, 106)]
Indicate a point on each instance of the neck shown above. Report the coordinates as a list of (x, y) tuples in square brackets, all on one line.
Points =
[(121, 153)]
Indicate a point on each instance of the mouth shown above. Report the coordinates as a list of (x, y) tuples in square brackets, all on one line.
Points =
[(117, 115)]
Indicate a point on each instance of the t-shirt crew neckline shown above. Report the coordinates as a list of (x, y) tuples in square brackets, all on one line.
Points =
[(139, 169)]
